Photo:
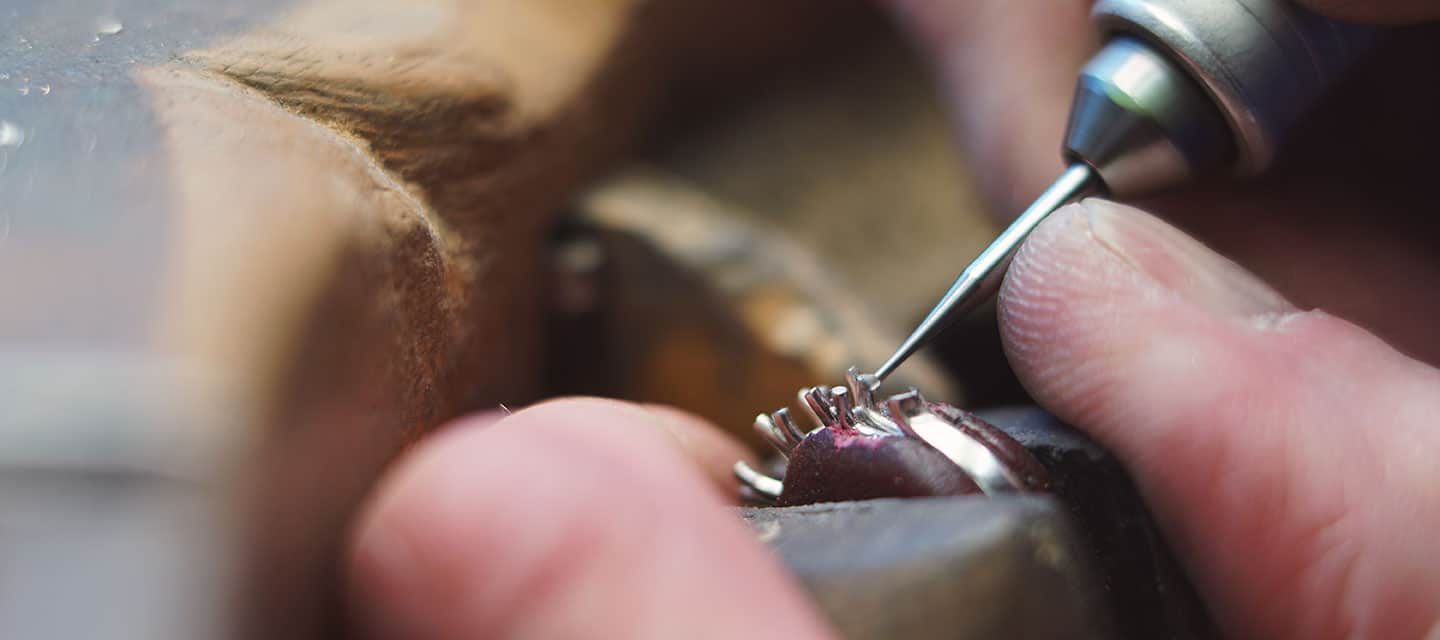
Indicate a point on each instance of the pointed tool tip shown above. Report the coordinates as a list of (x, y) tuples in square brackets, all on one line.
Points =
[(981, 279)]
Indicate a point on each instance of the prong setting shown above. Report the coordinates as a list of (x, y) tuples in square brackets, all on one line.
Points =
[(844, 411), (816, 403), (774, 434), (903, 407), (864, 394), (783, 418), (854, 407), (762, 488)]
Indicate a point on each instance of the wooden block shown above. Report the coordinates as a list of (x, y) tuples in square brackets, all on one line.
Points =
[(330, 209)]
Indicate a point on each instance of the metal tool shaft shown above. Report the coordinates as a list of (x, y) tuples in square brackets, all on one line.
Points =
[(981, 280), (1182, 89)]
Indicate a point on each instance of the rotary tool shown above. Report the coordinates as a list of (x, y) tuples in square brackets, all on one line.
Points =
[(1180, 89)]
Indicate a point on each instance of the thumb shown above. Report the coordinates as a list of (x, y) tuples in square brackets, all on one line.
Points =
[(573, 519), (1287, 453)]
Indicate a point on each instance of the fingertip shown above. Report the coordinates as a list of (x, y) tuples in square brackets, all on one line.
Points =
[(478, 420), (1253, 428), (460, 524), (381, 580), (530, 524), (1057, 306), (714, 450), (1100, 285), (1118, 321), (711, 450)]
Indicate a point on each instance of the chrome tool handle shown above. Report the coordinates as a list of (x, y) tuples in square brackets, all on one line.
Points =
[(1264, 62)]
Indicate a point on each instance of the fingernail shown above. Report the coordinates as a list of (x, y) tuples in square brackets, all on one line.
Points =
[(1179, 263)]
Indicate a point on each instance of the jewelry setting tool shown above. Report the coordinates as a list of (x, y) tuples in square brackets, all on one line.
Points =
[(1181, 89)]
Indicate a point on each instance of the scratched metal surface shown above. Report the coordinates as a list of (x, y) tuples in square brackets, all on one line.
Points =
[(939, 568), (84, 219)]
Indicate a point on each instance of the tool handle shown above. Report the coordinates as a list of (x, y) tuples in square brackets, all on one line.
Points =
[(1265, 62)]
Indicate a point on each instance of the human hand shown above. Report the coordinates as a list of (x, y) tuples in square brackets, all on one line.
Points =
[(573, 519), (1284, 451), (1287, 453)]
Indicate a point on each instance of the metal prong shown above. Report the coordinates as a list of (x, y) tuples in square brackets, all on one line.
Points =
[(773, 434), (864, 395), (871, 381), (787, 424), (972, 456), (911, 414), (816, 402), (873, 420), (840, 399), (903, 407), (764, 486)]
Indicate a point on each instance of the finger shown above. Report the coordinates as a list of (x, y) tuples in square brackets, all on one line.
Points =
[(1377, 11), (574, 519), (1009, 70), (1281, 449), (711, 450)]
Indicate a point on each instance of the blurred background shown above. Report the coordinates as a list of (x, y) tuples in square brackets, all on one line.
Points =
[(250, 250)]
